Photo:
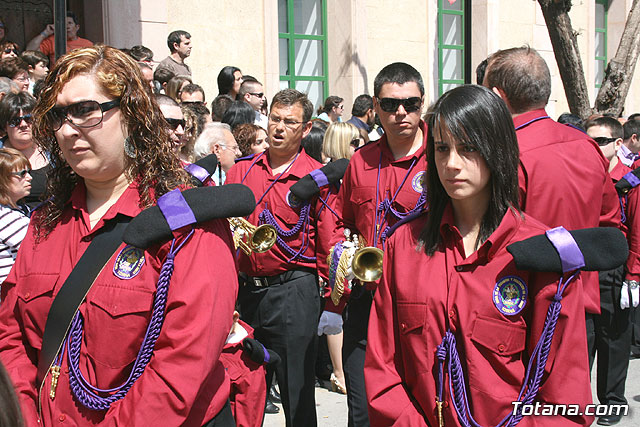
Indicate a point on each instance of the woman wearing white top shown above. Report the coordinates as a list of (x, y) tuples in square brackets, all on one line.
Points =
[(15, 183)]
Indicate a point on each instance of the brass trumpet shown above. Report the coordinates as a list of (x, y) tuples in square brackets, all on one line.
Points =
[(367, 264), (258, 239)]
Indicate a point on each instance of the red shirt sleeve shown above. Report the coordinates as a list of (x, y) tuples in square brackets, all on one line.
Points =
[(633, 235)]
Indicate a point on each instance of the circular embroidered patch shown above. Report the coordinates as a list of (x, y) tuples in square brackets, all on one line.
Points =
[(128, 263), (510, 295), (292, 200), (416, 182)]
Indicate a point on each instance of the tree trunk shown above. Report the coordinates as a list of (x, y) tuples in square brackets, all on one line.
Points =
[(619, 72), (565, 49)]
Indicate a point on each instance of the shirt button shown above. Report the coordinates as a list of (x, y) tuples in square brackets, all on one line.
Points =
[(27, 295), (458, 268), (452, 314), (501, 348), (445, 404), (403, 326), (62, 417)]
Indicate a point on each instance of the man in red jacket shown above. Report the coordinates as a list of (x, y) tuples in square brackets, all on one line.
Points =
[(563, 176)]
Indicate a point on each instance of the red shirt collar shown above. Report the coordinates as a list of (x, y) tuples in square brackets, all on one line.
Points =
[(529, 116), (127, 204), (301, 166), (498, 240), (386, 151)]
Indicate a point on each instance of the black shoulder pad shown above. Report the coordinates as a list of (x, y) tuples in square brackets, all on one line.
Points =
[(206, 203), (629, 181), (202, 169), (310, 185), (603, 248)]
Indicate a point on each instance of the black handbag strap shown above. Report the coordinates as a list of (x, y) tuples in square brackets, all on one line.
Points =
[(74, 290)]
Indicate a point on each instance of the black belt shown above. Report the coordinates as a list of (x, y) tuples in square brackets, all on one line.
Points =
[(266, 281)]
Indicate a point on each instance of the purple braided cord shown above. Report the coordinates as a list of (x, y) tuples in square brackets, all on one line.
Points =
[(84, 392), (266, 217), (622, 203), (386, 206), (534, 374)]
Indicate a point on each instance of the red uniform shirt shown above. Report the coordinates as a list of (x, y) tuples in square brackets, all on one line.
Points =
[(564, 181), (184, 382), (421, 297), (248, 386), (256, 174), (631, 203)]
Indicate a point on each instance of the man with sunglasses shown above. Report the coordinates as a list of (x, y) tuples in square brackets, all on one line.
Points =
[(175, 119), (609, 333), (252, 92), (382, 184)]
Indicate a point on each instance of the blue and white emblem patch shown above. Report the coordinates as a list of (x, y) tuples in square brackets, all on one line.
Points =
[(292, 200), (128, 263), (510, 295), (416, 182)]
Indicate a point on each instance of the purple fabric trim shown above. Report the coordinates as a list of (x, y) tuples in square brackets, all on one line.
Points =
[(267, 357), (198, 171), (632, 179), (532, 121), (176, 210), (570, 255), (320, 178)]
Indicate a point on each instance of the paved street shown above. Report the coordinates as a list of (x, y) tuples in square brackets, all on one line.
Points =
[(332, 407)]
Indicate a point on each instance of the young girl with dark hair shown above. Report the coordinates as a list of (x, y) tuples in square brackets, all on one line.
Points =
[(452, 309)]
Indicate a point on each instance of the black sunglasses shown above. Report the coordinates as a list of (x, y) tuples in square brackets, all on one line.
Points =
[(603, 140), (21, 174), (390, 105), (9, 50), (257, 94), (17, 120), (84, 114), (193, 103), (174, 123)]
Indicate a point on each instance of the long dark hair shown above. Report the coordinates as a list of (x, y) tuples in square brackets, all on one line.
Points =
[(226, 79), (10, 414), (476, 115), (155, 168)]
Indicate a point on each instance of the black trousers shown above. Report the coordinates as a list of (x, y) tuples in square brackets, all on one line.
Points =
[(635, 330), (285, 319), (354, 345), (609, 335), (223, 419)]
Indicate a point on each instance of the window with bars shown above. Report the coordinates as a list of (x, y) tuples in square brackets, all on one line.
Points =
[(454, 39), (302, 38), (601, 40)]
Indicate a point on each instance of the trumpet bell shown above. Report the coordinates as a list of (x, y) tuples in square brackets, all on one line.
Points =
[(263, 238), (367, 264)]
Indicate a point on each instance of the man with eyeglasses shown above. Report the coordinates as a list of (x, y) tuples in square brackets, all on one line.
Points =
[(609, 333), (252, 92), (216, 138), (175, 119), (382, 184), (279, 294)]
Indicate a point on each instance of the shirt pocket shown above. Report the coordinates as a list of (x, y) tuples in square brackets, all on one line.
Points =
[(116, 320), (35, 296), (494, 359), (412, 329), (363, 205)]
